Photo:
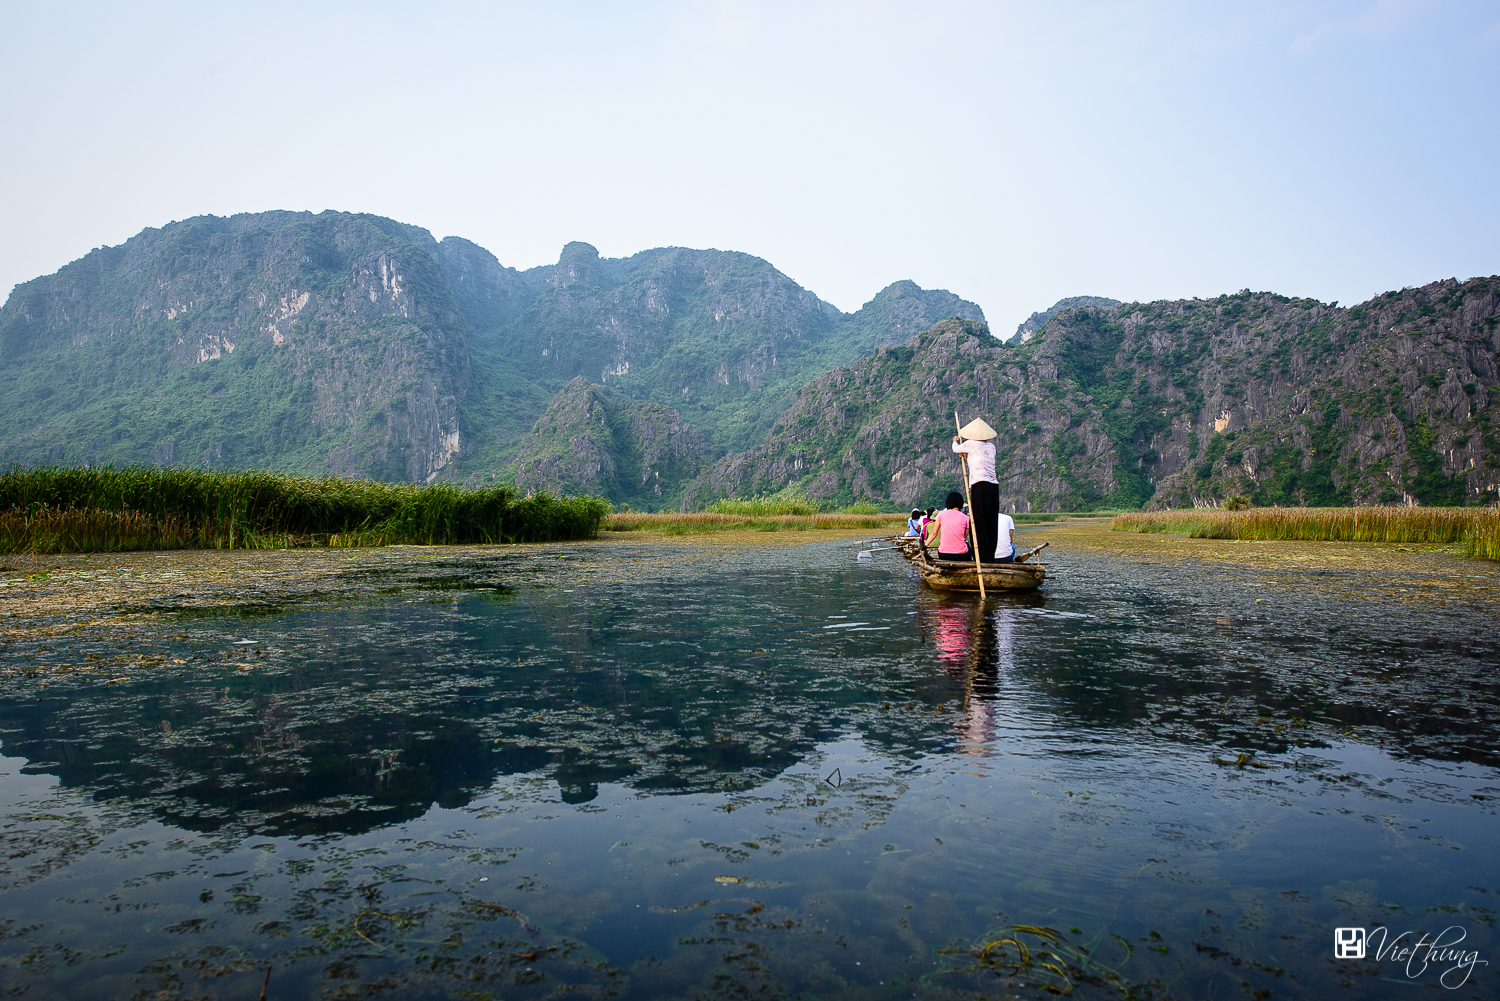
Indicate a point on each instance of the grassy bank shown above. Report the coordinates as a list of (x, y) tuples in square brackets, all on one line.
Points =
[(781, 515), (51, 510), (1044, 517), (1478, 529), (715, 521)]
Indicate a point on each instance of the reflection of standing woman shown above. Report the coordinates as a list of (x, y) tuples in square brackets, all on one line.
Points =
[(984, 489)]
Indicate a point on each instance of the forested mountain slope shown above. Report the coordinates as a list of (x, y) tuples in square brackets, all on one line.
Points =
[(357, 345), (1287, 401)]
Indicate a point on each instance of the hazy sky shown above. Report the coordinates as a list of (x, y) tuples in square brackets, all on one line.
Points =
[(1013, 153)]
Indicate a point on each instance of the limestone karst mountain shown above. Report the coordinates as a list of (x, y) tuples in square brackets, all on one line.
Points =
[(319, 343), (1286, 401), (356, 345)]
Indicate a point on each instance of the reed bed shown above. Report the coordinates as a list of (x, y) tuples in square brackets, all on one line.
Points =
[(1478, 529), (762, 507), (713, 521), (56, 509), (1484, 541)]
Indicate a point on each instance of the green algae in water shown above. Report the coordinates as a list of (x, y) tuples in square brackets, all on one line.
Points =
[(665, 777)]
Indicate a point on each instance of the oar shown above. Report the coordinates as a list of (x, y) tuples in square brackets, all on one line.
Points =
[(1031, 552), (963, 461)]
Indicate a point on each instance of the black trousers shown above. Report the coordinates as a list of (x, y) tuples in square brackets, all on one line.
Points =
[(984, 508)]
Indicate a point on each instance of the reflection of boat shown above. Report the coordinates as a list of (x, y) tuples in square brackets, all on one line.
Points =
[(975, 644), (953, 575)]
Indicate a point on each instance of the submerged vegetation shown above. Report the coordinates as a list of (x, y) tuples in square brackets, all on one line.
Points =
[(1478, 529), (55, 509)]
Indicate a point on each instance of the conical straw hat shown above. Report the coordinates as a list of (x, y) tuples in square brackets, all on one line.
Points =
[(978, 430)]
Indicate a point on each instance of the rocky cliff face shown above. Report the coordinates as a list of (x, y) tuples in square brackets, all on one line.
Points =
[(325, 342), (591, 441), (1163, 404)]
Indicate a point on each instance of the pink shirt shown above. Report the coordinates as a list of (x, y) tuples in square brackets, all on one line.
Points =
[(954, 526), (981, 460)]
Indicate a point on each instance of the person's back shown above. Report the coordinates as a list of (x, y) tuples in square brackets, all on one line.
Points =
[(914, 523), (1005, 548), (953, 528)]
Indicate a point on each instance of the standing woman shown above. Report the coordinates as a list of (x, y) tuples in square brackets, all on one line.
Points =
[(984, 489)]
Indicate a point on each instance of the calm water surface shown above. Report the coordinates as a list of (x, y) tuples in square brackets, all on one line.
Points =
[(637, 770)]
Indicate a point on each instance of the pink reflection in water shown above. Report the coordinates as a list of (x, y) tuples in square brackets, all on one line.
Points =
[(975, 644)]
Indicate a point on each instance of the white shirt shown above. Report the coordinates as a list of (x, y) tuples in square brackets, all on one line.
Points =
[(1004, 539), (981, 460)]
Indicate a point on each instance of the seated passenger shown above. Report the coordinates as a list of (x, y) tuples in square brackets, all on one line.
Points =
[(1005, 550), (914, 523), (953, 528)]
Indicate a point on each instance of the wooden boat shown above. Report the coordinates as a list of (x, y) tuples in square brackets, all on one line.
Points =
[(955, 575)]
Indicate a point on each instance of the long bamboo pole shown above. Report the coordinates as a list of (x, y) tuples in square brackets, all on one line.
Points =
[(963, 460)]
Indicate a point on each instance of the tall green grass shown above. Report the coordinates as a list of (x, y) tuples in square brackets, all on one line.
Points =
[(764, 507), (1484, 540), (777, 506), (60, 509), (1477, 528)]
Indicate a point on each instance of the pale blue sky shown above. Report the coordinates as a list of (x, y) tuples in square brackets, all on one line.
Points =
[(1013, 153)]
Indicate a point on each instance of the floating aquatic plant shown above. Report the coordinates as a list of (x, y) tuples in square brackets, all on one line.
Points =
[(1044, 959)]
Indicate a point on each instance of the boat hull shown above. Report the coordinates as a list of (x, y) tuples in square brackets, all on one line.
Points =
[(997, 576)]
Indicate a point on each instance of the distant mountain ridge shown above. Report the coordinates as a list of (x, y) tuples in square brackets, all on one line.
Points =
[(357, 345)]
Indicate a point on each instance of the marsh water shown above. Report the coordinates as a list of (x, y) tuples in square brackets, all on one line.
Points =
[(749, 768)]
